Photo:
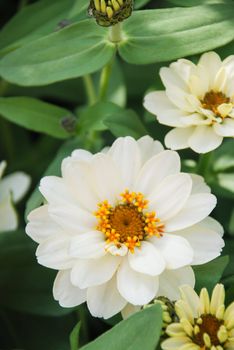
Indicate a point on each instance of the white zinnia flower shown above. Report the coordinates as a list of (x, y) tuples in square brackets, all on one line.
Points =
[(198, 102), (12, 189), (204, 323), (123, 226)]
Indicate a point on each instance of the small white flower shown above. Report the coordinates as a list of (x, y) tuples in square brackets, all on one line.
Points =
[(198, 102), (123, 226), (204, 323), (12, 189)]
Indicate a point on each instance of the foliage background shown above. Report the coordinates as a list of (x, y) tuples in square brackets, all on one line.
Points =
[(47, 108)]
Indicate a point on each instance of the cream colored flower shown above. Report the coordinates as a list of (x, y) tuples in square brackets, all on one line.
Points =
[(12, 189), (198, 102), (123, 226), (204, 323)]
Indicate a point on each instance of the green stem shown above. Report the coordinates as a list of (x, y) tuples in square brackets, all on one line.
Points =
[(203, 163), (115, 33), (90, 90), (104, 80)]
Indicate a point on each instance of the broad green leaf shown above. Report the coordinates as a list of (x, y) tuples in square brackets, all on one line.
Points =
[(189, 3), (226, 182), (74, 337), (140, 3), (92, 118), (77, 50), (209, 274), (125, 123), (65, 150), (35, 115), (25, 286), (228, 276), (140, 331), (167, 34), (37, 20)]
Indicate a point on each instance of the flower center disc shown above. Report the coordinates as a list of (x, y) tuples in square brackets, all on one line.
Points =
[(128, 222), (212, 100), (210, 325)]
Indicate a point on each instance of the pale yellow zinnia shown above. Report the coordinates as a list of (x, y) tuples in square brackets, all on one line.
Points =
[(204, 322)]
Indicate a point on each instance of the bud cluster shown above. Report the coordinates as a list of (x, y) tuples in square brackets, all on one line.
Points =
[(110, 12)]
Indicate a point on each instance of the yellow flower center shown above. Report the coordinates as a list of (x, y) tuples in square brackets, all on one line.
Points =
[(206, 331), (128, 222), (212, 100)]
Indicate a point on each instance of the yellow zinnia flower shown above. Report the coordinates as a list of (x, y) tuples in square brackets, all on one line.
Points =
[(203, 324)]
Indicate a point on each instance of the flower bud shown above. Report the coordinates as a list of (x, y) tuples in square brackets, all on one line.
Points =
[(110, 12)]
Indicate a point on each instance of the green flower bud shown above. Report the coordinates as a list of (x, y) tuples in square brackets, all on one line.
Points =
[(110, 12), (168, 311)]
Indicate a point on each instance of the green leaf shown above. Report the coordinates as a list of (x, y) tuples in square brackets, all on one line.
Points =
[(37, 20), (140, 331), (92, 118), (189, 3), (140, 3), (25, 286), (36, 198), (74, 337), (126, 123), (209, 274), (76, 50), (35, 115), (230, 295), (167, 34)]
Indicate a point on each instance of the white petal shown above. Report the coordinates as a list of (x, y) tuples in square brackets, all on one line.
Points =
[(126, 154), (206, 243), (156, 169), (149, 148), (170, 77), (56, 191), (53, 253), (105, 300), (226, 129), (121, 250), (40, 226), (199, 185), (171, 280), (89, 245), (170, 196), (197, 208), (66, 294), (137, 288), (17, 183), (220, 80), (129, 310), (212, 63), (147, 259), (108, 184), (176, 250), (184, 68), (178, 138), (213, 225), (72, 218), (79, 179), (81, 154), (204, 139), (9, 220), (199, 82), (88, 273), (159, 104), (181, 99)]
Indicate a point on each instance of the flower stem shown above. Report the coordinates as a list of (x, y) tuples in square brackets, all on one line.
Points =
[(204, 163), (105, 79), (90, 90), (115, 33)]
